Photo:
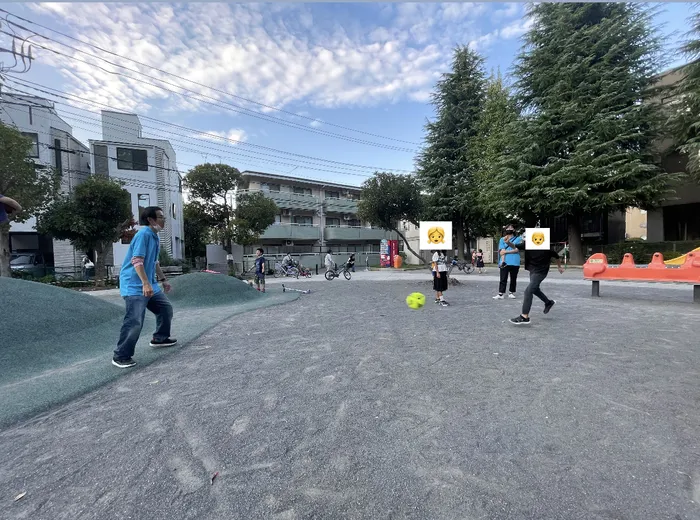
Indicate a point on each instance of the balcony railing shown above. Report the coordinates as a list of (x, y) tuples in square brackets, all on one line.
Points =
[(292, 232), (288, 200), (356, 233)]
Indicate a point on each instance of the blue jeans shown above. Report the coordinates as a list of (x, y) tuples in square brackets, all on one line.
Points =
[(136, 307)]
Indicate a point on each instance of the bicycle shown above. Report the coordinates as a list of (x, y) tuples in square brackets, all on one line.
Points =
[(335, 272), (462, 265), (284, 271)]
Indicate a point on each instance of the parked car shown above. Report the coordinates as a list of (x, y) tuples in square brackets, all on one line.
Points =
[(28, 264)]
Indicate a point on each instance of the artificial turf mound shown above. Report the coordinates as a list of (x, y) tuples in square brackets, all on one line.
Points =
[(57, 343)]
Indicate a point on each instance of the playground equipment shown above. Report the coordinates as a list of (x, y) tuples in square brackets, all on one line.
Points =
[(597, 268), (680, 260)]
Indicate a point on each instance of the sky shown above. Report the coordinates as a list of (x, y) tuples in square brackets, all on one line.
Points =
[(325, 91)]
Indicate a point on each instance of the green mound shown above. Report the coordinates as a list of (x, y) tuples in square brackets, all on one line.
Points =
[(207, 290), (57, 343), (32, 311)]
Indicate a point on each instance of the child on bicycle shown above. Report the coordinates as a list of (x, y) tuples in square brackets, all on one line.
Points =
[(350, 264)]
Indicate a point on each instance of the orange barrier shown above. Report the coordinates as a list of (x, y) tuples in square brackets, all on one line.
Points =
[(597, 268)]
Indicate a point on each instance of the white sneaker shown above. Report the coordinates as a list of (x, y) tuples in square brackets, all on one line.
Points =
[(511, 296), (498, 297)]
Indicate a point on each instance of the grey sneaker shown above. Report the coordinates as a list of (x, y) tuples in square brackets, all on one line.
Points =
[(511, 296), (159, 343), (498, 297), (443, 303)]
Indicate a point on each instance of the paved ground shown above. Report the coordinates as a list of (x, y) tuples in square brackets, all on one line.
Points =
[(346, 404)]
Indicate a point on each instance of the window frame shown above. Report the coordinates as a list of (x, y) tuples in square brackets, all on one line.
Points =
[(35, 141), (123, 163)]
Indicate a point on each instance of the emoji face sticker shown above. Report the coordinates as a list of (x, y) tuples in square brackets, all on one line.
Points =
[(436, 235), (538, 238)]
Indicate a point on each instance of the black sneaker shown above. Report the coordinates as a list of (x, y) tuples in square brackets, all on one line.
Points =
[(437, 300), (520, 320), (158, 343), (123, 363), (548, 306), (443, 303)]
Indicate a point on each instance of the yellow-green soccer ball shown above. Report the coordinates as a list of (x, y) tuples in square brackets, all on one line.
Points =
[(415, 300)]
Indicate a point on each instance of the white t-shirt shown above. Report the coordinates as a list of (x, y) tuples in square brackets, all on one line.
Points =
[(440, 261), (329, 260)]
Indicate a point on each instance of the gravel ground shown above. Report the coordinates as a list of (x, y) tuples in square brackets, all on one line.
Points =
[(347, 404)]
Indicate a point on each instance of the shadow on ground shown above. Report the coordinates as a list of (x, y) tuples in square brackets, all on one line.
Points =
[(57, 343)]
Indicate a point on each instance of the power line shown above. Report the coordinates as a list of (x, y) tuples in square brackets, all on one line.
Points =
[(238, 108), (64, 95), (186, 79)]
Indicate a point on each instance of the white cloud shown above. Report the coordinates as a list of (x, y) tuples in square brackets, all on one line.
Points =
[(277, 54), (516, 29), (234, 134), (510, 11), (316, 123)]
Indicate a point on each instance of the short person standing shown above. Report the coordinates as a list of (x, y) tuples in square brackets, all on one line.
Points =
[(139, 287), (439, 266), (260, 268), (511, 264), (537, 261)]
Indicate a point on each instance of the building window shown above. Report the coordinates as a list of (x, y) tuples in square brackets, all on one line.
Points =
[(173, 213), (101, 159), (332, 194), (353, 222), (132, 159), (353, 196), (271, 187), (278, 219), (144, 201), (302, 191), (303, 221), (332, 222), (34, 151)]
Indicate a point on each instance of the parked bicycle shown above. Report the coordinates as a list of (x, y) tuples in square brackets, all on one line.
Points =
[(461, 265), (336, 271), (283, 271), (305, 271)]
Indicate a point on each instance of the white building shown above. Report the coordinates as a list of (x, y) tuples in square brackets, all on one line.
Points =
[(54, 145), (148, 168)]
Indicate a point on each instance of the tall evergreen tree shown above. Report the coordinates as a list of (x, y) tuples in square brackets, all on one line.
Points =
[(497, 118), (447, 165), (685, 118), (584, 143)]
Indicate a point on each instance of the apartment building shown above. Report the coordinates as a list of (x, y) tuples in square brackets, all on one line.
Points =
[(314, 216), (55, 146), (675, 219), (148, 169)]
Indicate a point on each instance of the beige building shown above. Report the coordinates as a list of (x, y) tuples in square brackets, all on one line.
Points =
[(315, 216), (636, 223)]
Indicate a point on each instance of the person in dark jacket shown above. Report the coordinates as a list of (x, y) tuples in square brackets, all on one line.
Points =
[(537, 262)]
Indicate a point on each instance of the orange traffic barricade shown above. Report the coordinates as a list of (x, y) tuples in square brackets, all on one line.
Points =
[(597, 268)]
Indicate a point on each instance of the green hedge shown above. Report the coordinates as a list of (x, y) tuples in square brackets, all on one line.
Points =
[(644, 251)]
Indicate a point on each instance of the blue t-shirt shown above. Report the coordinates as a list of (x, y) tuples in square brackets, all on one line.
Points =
[(3, 213), (259, 265), (511, 259), (146, 244)]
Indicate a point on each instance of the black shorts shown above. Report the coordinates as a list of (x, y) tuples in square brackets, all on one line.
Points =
[(440, 284), (480, 263)]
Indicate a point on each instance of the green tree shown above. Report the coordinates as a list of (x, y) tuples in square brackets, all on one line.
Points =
[(214, 187), (584, 142), (495, 125), (92, 218), (254, 213), (198, 226), (447, 166), (685, 114), (387, 198), (30, 184)]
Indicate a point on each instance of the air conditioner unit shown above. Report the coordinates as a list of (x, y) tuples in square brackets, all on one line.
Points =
[(288, 242), (286, 212)]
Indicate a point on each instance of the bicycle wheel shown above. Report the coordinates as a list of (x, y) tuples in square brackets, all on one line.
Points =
[(329, 275), (308, 274), (347, 275), (277, 273), (468, 269)]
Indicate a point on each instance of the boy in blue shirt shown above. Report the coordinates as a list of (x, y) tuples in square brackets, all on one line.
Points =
[(260, 268), (511, 264), (138, 285)]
